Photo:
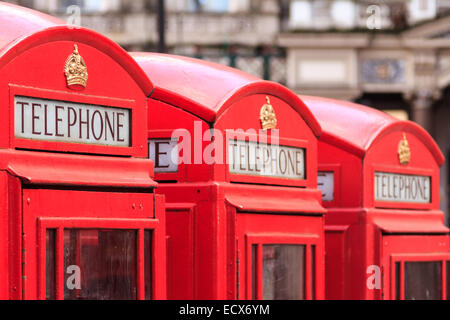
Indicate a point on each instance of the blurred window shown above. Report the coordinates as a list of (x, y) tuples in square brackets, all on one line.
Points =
[(283, 272), (344, 14), (209, 5), (90, 6), (300, 15)]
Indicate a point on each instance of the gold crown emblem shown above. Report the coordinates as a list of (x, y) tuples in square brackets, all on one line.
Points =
[(267, 116), (76, 70), (404, 152)]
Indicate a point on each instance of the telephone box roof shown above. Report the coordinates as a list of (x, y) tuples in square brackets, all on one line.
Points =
[(207, 89), (355, 127), (22, 28)]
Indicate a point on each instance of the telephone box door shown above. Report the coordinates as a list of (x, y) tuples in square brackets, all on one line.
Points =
[(417, 267), (279, 257), (88, 245)]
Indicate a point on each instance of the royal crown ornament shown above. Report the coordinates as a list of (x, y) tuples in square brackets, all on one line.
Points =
[(76, 71), (267, 116), (404, 152)]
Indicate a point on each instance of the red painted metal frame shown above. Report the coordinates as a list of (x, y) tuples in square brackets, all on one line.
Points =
[(265, 199), (283, 238), (14, 285), (78, 98), (5, 248), (183, 280), (335, 256), (69, 169), (60, 224), (400, 221)]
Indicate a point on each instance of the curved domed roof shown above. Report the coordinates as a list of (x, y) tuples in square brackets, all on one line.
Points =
[(207, 89), (22, 28), (355, 127)]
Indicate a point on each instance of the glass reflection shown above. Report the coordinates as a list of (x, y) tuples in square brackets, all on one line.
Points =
[(423, 280), (100, 264), (283, 272)]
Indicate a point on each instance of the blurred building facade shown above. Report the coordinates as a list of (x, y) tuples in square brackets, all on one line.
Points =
[(390, 54)]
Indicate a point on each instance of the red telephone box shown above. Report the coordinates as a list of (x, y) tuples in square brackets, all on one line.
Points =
[(79, 216), (244, 219), (385, 235)]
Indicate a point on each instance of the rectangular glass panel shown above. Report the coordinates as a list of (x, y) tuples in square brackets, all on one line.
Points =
[(423, 280), (148, 264), (50, 265), (283, 272), (397, 280), (254, 271), (100, 264)]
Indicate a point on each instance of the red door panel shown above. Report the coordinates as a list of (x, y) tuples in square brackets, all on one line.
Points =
[(281, 257), (416, 267), (180, 258), (88, 245)]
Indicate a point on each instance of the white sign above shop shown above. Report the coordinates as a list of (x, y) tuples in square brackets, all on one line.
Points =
[(61, 121)]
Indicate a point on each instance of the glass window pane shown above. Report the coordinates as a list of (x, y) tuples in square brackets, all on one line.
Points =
[(397, 280), (423, 280), (100, 264), (254, 271), (148, 264), (283, 272), (50, 265)]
